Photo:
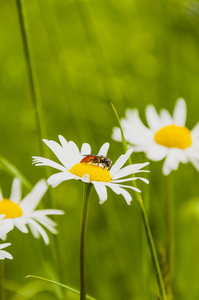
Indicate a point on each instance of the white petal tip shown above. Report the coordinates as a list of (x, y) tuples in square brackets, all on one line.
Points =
[(52, 184), (181, 99), (86, 178), (61, 138), (130, 150), (60, 212), (101, 202)]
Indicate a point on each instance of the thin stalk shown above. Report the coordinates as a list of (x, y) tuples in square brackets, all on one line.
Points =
[(35, 97), (83, 226), (33, 84), (145, 220), (2, 293), (153, 251), (30, 72), (59, 284), (170, 223)]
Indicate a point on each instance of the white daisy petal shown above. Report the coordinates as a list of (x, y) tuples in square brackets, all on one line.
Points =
[(2, 246), (55, 179), (63, 141), (195, 131), (15, 194), (157, 152), (39, 229), (131, 179), (4, 237), (54, 146), (34, 215), (166, 117), (153, 120), (5, 226), (104, 149), (120, 162), (101, 191), (130, 187), (21, 227), (86, 149), (75, 152), (1, 217), (5, 254), (171, 162), (120, 191), (133, 126), (131, 169), (180, 112), (41, 161), (166, 168), (31, 201), (70, 152), (58, 151), (86, 178), (116, 135), (47, 225), (195, 163), (47, 212), (1, 195), (34, 231)]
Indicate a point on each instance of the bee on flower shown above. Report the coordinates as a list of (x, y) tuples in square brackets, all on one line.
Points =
[(166, 137), (22, 212), (96, 169)]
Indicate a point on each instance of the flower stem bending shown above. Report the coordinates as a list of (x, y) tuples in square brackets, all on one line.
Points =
[(83, 225)]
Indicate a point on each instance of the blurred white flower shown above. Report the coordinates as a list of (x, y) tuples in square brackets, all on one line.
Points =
[(3, 231), (166, 137), (75, 166), (20, 213)]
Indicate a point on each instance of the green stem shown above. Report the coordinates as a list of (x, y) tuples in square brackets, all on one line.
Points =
[(170, 223), (145, 220), (30, 71), (2, 293), (83, 225), (153, 251)]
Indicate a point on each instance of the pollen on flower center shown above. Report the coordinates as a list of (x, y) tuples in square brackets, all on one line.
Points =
[(10, 209), (173, 136), (96, 173)]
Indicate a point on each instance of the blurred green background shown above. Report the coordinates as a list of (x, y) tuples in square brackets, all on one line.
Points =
[(86, 54)]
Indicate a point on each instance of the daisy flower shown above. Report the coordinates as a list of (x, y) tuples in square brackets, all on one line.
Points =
[(81, 165), (166, 137), (3, 231), (20, 213)]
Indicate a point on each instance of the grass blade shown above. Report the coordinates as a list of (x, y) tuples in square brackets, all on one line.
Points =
[(10, 168), (59, 284)]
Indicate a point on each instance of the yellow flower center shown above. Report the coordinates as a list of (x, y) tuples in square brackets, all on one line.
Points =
[(10, 209), (95, 173), (173, 136)]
